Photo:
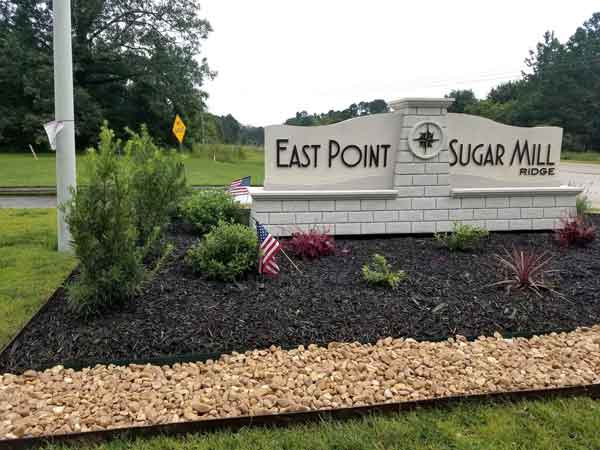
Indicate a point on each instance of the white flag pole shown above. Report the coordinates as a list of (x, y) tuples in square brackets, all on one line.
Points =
[(64, 112)]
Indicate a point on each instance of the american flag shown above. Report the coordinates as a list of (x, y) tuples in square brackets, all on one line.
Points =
[(239, 187), (269, 247)]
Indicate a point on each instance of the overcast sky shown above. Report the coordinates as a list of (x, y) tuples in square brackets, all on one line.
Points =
[(276, 57)]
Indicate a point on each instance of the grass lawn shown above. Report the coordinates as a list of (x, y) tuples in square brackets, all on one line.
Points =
[(20, 169), (548, 425), (30, 266), (584, 157)]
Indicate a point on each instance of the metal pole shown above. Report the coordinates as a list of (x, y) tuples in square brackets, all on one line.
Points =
[(63, 111)]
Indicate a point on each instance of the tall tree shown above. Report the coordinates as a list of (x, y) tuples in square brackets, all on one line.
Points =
[(463, 99), (135, 61)]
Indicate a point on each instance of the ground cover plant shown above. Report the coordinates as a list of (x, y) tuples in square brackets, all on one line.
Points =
[(227, 252), (22, 170), (30, 267), (462, 237), (379, 272), (311, 244), (575, 231), (524, 269), (180, 311)]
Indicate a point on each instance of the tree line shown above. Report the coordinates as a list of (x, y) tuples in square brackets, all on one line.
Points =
[(560, 87), (139, 61), (134, 62)]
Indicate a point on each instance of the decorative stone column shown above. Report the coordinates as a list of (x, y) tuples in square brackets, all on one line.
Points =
[(422, 169)]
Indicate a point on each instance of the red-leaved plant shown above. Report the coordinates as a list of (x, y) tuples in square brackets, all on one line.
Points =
[(524, 269), (575, 231), (311, 244)]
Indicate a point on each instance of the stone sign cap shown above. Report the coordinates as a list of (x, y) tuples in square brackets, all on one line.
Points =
[(420, 102)]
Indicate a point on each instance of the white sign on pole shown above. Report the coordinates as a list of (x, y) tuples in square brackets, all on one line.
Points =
[(52, 130)]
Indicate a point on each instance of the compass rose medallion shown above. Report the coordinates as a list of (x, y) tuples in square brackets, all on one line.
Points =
[(426, 139)]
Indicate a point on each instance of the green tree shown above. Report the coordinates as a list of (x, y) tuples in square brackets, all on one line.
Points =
[(462, 100), (134, 61)]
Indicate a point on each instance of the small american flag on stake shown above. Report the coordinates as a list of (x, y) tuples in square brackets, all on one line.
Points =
[(269, 247), (239, 187)]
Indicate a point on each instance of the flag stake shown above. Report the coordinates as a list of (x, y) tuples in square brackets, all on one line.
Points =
[(289, 259)]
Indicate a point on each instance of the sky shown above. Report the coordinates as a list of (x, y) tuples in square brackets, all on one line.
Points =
[(276, 57)]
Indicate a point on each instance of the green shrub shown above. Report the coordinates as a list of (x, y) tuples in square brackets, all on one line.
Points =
[(205, 209), (157, 186), (379, 272), (226, 253), (101, 217), (462, 237), (583, 205)]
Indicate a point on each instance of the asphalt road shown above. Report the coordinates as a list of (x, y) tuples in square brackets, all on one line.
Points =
[(584, 175), (574, 174)]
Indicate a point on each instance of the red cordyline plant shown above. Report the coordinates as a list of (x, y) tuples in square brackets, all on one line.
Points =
[(524, 269), (311, 244), (575, 231)]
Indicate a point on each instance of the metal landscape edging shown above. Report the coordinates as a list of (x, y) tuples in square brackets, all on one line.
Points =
[(285, 419), (40, 310)]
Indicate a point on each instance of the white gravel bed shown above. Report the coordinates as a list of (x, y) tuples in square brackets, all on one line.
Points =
[(272, 381)]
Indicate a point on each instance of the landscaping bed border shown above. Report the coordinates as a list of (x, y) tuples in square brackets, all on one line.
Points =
[(285, 419), (58, 291)]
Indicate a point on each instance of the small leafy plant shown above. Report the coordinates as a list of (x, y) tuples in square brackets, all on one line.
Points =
[(225, 253), (463, 237), (379, 272), (583, 205), (205, 209), (524, 269), (575, 231), (311, 244)]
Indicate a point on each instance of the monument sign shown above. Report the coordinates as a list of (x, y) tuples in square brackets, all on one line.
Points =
[(416, 169)]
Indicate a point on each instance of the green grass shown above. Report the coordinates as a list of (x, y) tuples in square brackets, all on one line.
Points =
[(30, 267), (548, 425), (22, 170), (585, 157)]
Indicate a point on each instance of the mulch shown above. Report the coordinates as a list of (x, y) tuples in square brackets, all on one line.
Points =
[(445, 294)]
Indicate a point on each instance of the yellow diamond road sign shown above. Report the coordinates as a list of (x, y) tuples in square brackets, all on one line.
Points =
[(179, 128)]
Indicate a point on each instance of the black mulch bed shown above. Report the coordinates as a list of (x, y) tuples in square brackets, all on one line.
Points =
[(445, 294)]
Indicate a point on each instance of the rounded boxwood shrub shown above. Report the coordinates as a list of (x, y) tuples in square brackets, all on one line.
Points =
[(225, 253), (205, 209)]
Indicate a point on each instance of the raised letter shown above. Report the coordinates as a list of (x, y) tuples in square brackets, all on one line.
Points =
[(548, 162), (521, 152), (351, 147), (500, 150), (454, 158), (279, 149), (385, 148), (295, 159), (373, 156), (331, 144), (315, 147)]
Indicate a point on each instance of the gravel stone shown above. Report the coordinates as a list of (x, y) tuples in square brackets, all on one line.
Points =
[(274, 381)]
